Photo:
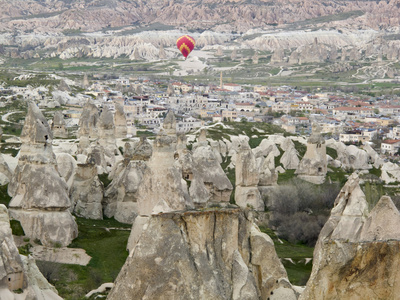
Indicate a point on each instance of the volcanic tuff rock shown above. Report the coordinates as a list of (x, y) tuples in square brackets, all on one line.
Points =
[(87, 192), (66, 166), (220, 254), (19, 272), (211, 174), (120, 121), (247, 179), (62, 15), (5, 171), (162, 188), (350, 157), (39, 194), (357, 254), (58, 125), (169, 124), (88, 122), (121, 194), (313, 165), (290, 158)]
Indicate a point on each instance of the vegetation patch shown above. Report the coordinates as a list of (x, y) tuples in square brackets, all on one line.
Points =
[(104, 179), (331, 152), (4, 197), (16, 228), (105, 241), (299, 271)]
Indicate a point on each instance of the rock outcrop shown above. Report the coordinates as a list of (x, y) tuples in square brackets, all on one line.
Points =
[(88, 122), (169, 124), (58, 126), (87, 192), (121, 129), (162, 188), (210, 172), (121, 194), (350, 157), (39, 194), (5, 171), (357, 254), (247, 179), (18, 272), (290, 158), (313, 165), (265, 155), (220, 254)]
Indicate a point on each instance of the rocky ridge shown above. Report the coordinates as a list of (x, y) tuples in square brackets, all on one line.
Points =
[(365, 247), (241, 15), (221, 254)]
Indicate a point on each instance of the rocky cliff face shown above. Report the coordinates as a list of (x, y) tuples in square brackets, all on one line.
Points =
[(241, 15), (39, 194), (19, 272), (210, 255), (357, 254)]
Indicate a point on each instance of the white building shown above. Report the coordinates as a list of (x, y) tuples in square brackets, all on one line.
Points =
[(390, 146), (188, 124)]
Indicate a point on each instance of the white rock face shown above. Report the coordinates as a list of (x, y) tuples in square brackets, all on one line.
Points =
[(39, 194), (66, 166), (313, 166), (121, 195), (121, 129), (356, 256), (290, 158), (87, 192), (58, 126), (221, 255), (88, 122), (350, 157), (211, 174), (373, 156), (161, 188), (18, 271), (5, 171), (390, 172), (247, 179)]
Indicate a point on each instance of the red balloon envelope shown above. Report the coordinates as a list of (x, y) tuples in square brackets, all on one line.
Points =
[(185, 44)]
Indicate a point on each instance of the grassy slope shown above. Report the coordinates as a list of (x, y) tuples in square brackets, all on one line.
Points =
[(107, 247), (299, 272)]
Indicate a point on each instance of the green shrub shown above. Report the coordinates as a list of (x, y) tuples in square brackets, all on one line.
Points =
[(16, 228)]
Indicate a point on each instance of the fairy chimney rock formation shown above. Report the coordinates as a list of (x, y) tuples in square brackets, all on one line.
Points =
[(143, 150), (169, 124), (85, 82), (121, 195), (88, 122), (162, 187), (313, 166), (220, 254), (161, 53), (290, 158), (87, 192), (247, 179), (17, 272), (208, 173), (356, 255), (58, 126), (121, 129), (39, 194), (63, 86)]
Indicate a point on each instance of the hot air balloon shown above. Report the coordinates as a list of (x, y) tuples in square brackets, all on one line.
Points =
[(185, 44)]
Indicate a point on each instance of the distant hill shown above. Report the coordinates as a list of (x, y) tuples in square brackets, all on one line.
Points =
[(218, 15)]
